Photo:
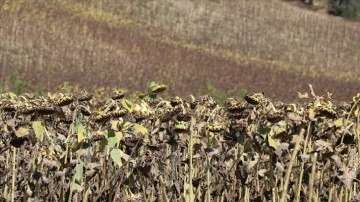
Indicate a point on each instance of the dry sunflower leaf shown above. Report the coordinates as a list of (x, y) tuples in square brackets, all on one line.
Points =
[(339, 122), (348, 176), (262, 172), (83, 153), (45, 180), (296, 138), (305, 157), (321, 145), (280, 167), (294, 116), (337, 161), (115, 125), (22, 131), (50, 163), (211, 151), (92, 166), (29, 191), (278, 129)]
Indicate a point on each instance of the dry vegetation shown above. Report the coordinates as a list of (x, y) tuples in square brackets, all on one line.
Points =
[(75, 146), (130, 43), (70, 145)]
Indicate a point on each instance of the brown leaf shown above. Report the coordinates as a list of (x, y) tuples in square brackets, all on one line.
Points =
[(211, 151), (262, 172), (22, 132), (294, 116), (323, 145), (337, 161), (280, 167), (347, 177)]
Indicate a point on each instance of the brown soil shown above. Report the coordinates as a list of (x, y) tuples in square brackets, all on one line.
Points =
[(185, 70)]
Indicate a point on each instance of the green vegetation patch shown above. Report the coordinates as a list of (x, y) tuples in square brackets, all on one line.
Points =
[(347, 8)]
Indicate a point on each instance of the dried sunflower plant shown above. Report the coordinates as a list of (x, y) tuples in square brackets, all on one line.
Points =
[(114, 146)]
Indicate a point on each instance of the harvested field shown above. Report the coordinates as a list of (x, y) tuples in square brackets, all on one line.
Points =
[(184, 44)]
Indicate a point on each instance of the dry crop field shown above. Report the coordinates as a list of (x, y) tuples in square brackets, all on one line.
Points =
[(256, 45), (94, 141), (73, 145)]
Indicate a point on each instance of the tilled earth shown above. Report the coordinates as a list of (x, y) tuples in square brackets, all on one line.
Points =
[(133, 55)]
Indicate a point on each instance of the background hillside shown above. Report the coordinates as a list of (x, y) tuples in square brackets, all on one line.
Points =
[(193, 46)]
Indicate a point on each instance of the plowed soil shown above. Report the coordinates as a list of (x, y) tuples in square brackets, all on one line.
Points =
[(132, 55)]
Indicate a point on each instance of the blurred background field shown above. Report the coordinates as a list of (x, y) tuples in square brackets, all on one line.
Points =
[(218, 47)]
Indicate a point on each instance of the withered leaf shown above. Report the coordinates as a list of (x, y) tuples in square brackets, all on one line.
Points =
[(262, 172), (22, 132), (348, 176), (323, 145)]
